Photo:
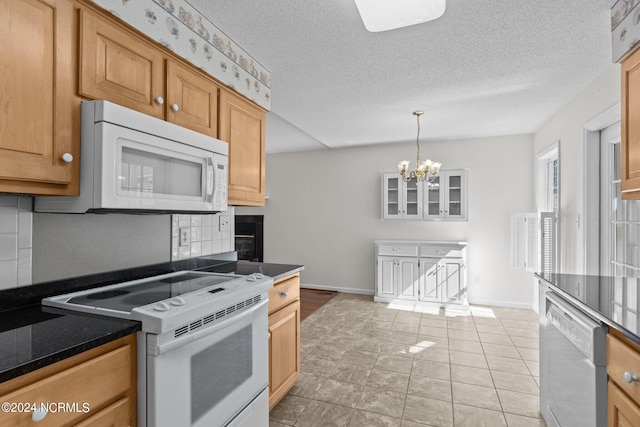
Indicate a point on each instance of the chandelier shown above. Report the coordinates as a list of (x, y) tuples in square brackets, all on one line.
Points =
[(425, 171)]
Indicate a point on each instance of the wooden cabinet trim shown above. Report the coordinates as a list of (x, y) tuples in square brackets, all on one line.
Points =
[(284, 291)]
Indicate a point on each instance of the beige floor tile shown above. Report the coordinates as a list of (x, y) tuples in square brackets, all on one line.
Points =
[(482, 320), (406, 327), (360, 357), (351, 373), (463, 335), (534, 367), (462, 326), (454, 315), (378, 324), (428, 411), (532, 354), (467, 359), (491, 328), (522, 324), (476, 395), (433, 332), (289, 409), (428, 368), (329, 351), (430, 387), (368, 344), (434, 323), (515, 382), (387, 380), (322, 414), (432, 341), (526, 342), (517, 403), (306, 386), (276, 424), (507, 364), (471, 375), (430, 353), (408, 320), (399, 349), (466, 346), (469, 416), (407, 423), (491, 338), (523, 333), (317, 366), (339, 393), (382, 402), (381, 334), (501, 350), (402, 337), (394, 363), (369, 419), (520, 421), (384, 315)]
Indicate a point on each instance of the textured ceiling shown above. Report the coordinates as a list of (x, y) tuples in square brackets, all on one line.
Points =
[(485, 68)]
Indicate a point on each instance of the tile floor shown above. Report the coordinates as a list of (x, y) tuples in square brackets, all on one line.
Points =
[(365, 364)]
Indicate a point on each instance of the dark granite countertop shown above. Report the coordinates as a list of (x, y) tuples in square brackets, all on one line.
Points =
[(613, 300), (32, 336)]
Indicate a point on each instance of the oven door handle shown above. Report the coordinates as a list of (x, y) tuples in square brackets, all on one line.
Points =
[(156, 349)]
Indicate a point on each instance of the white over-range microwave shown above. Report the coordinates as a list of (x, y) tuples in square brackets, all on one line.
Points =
[(135, 163)]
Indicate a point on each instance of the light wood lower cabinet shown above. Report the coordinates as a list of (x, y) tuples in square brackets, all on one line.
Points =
[(98, 388), (623, 369), (284, 337)]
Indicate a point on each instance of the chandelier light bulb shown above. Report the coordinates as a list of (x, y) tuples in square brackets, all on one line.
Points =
[(426, 170)]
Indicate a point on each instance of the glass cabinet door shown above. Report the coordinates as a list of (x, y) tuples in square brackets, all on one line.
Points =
[(412, 208), (391, 196), (432, 195), (455, 196)]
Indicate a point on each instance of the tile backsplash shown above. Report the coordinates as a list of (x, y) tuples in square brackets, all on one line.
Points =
[(197, 235), (16, 237)]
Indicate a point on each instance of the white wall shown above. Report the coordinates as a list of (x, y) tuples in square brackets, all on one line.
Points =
[(567, 127), (324, 212)]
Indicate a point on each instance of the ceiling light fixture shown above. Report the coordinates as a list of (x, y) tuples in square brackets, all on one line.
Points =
[(383, 15), (425, 171)]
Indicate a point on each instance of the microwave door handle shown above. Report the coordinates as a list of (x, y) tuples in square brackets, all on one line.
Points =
[(210, 172)]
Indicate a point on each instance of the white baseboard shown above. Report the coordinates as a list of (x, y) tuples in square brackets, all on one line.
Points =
[(339, 289), (496, 303)]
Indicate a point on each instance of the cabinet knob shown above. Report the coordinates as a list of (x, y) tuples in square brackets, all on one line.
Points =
[(159, 100), (175, 107), (284, 294), (67, 157), (39, 414), (630, 378)]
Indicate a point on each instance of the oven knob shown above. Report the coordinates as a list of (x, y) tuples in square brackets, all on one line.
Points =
[(161, 306), (251, 279), (177, 301)]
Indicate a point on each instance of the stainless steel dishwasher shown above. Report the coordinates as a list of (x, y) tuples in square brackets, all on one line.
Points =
[(573, 389)]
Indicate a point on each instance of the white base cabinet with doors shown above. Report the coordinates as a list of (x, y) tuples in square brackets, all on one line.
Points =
[(443, 199), (421, 272)]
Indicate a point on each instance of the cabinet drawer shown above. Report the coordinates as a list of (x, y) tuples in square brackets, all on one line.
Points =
[(95, 382), (284, 292), (398, 250), (623, 359), (443, 251)]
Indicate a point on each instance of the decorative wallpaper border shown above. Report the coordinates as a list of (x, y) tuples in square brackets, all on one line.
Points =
[(180, 27), (625, 27)]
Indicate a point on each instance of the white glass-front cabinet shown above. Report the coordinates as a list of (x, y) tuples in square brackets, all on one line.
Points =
[(446, 197), (422, 273), (400, 200)]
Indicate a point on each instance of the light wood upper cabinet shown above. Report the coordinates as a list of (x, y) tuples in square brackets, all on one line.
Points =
[(242, 125), (36, 82), (123, 68), (120, 67), (192, 100), (630, 105)]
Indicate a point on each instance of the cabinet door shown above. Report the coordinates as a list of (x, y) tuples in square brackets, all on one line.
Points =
[(386, 277), (622, 411), (407, 279), (451, 278), (430, 289), (412, 206), (284, 351), (36, 82), (116, 414), (630, 126), (242, 125), (392, 201), (120, 67), (433, 208), (192, 100), (455, 195)]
